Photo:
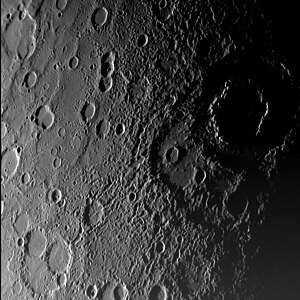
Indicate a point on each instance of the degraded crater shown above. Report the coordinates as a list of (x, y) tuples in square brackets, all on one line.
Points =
[(36, 243), (237, 203), (59, 256), (173, 155), (61, 4), (62, 280), (21, 224), (68, 226), (102, 128), (37, 278)]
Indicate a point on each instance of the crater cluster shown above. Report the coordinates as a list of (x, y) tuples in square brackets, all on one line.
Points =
[(138, 144)]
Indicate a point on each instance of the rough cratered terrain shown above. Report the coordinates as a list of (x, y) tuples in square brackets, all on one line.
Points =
[(148, 150)]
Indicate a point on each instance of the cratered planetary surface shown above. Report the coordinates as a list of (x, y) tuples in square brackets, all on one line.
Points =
[(150, 150)]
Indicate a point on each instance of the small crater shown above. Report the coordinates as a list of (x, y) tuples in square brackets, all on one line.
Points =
[(158, 292), (162, 4), (62, 280), (10, 162), (19, 149), (61, 132), (160, 247), (30, 79), (61, 203), (88, 111), (44, 117), (200, 176), (20, 242), (142, 40), (102, 128), (120, 129), (55, 195), (105, 84), (172, 154), (91, 291), (73, 62), (99, 17), (179, 115), (56, 162), (53, 151), (120, 292), (237, 203), (107, 56), (61, 4), (132, 196), (107, 69), (56, 66), (3, 130), (25, 178)]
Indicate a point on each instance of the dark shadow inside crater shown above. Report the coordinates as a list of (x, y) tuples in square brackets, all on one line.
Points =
[(239, 113), (252, 102)]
